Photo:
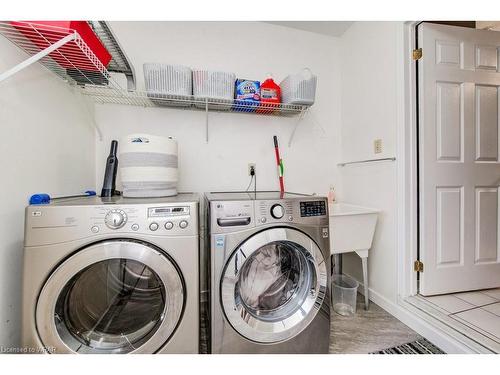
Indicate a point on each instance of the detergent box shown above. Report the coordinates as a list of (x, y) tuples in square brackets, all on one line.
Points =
[(247, 92)]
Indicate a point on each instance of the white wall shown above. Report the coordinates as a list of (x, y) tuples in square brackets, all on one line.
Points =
[(47, 145), (235, 139), (370, 97)]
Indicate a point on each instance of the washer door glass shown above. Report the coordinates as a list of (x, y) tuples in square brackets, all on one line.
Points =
[(275, 280), (114, 305), (273, 285), (117, 296)]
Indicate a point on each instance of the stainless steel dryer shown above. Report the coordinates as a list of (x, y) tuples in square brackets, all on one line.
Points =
[(112, 275), (269, 273)]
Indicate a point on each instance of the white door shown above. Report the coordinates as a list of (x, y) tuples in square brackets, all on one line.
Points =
[(459, 164)]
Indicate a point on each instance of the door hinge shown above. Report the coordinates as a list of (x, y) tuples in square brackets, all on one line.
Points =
[(417, 54), (418, 266)]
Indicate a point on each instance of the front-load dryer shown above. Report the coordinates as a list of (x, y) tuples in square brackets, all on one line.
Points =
[(269, 273), (112, 275)]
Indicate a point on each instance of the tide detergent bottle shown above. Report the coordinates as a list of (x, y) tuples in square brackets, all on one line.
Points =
[(270, 95)]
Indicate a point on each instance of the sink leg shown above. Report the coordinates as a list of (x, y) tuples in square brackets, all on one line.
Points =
[(363, 254), (337, 264), (364, 262)]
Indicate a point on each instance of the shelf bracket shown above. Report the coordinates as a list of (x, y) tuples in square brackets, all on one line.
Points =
[(206, 120), (38, 56), (301, 116)]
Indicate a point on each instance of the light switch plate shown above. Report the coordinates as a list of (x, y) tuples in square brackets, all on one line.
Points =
[(377, 146)]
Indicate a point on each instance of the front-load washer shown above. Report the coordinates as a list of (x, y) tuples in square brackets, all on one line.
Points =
[(269, 273), (112, 275)]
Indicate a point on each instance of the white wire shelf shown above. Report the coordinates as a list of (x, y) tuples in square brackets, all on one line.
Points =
[(60, 50), (105, 95), (65, 53)]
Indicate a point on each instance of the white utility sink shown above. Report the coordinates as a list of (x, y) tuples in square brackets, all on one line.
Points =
[(351, 230), (351, 227)]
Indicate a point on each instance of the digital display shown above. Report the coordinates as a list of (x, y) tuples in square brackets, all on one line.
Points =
[(167, 211), (312, 208)]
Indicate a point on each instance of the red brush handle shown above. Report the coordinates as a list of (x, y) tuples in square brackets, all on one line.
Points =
[(278, 159)]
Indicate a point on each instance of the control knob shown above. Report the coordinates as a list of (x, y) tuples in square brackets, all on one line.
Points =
[(115, 219), (277, 211)]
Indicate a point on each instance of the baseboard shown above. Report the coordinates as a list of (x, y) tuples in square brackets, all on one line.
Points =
[(425, 325)]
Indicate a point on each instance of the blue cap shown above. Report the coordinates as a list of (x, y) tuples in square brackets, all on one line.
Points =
[(41, 198)]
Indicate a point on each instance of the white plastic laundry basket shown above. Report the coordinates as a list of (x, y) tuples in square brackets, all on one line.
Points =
[(299, 88), (168, 85), (148, 166), (215, 86)]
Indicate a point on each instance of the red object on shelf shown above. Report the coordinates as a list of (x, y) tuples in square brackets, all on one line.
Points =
[(270, 96), (45, 33)]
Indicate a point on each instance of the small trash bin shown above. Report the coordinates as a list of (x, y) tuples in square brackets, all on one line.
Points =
[(344, 292)]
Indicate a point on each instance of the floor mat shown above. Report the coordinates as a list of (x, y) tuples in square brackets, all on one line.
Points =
[(421, 346)]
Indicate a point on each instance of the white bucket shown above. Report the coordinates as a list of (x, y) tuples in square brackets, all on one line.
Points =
[(148, 166)]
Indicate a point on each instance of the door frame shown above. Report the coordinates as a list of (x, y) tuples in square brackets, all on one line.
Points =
[(406, 308), (407, 168)]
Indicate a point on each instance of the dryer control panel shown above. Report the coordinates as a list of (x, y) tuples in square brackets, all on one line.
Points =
[(158, 220), (47, 224)]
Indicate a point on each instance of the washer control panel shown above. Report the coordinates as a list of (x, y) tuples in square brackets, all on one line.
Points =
[(307, 211), (227, 216)]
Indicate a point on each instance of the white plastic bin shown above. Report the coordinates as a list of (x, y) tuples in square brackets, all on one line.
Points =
[(344, 292), (299, 88), (168, 85), (217, 87)]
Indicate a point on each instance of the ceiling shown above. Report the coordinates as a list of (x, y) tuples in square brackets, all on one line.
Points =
[(330, 28)]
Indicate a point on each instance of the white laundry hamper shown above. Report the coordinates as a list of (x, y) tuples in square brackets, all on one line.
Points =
[(148, 166)]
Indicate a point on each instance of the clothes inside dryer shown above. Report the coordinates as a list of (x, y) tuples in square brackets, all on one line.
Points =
[(111, 306), (272, 277)]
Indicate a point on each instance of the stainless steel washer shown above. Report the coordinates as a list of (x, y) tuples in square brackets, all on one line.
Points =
[(112, 275), (269, 273)]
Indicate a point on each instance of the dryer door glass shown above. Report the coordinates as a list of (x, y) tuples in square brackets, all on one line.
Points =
[(116, 296), (273, 285), (111, 306)]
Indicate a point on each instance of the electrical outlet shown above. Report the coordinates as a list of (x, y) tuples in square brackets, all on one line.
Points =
[(250, 167), (377, 146)]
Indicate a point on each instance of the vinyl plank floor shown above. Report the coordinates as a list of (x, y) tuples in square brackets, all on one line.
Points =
[(367, 331)]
